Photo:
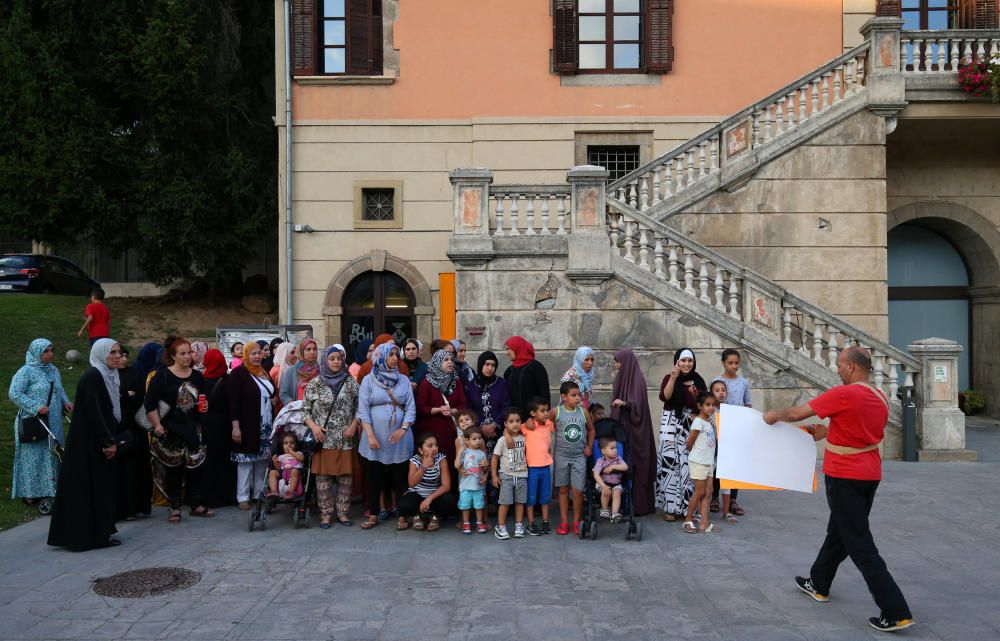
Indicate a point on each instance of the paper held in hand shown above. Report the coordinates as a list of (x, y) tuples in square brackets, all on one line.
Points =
[(779, 456)]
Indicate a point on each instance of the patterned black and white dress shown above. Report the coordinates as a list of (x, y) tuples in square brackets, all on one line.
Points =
[(673, 478)]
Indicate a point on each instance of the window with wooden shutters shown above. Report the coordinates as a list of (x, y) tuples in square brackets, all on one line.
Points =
[(337, 37), (612, 36)]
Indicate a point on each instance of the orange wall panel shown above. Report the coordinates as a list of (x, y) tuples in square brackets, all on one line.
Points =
[(490, 58)]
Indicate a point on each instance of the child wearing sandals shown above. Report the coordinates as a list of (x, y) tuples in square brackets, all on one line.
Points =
[(701, 458), (428, 500), (608, 475), (737, 393), (720, 392), (284, 477)]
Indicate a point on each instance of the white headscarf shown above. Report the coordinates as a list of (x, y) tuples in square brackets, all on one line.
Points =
[(99, 358)]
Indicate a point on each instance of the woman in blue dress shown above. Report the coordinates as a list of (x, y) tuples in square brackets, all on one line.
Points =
[(35, 467)]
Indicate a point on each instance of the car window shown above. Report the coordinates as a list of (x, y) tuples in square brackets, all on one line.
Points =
[(52, 265), (74, 270), (17, 262)]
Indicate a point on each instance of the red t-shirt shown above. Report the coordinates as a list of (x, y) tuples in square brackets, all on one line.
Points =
[(857, 419), (100, 323)]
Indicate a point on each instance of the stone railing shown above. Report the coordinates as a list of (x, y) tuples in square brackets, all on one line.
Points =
[(529, 210), (700, 159), (932, 52), (701, 273)]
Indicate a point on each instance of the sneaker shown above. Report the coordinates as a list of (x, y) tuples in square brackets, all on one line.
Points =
[(883, 624), (563, 529), (546, 527), (466, 528), (605, 514), (616, 517), (481, 528), (806, 585), (519, 530), (576, 528), (500, 531), (534, 529)]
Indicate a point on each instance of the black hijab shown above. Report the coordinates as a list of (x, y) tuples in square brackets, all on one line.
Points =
[(677, 400), (482, 381)]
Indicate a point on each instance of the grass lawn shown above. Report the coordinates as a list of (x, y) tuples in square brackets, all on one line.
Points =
[(23, 318)]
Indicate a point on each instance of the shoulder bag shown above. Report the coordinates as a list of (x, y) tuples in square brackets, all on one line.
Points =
[(31, 429)]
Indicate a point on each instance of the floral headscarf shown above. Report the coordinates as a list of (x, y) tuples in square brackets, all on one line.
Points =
[(306, 371), (437, 377), (385, 375), (33, 358)]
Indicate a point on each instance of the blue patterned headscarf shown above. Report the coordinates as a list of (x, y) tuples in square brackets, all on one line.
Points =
[(380, 369), (586, 378), (33, 356)]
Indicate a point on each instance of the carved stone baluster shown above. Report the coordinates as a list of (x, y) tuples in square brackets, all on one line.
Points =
[(668, 179), (633, 197), (928, 58), (613, 224), (561, 215), (673, 266), (514, 231), (953, 45), (904, 54), (703, 281), (690, 167), (658, 256), (714, 152), (893, 378), (499, 216), (778, 126), (786, 325), (755, 129), (545, 214), (818, 341), (702, 160), (689, 274), (529, 215), (836, 83), (720, 291), (803, 102), (804, 335), (849, 78), (789, 100), (644, 193), (767, 125), (656, 186), (860, 70), (825, 90), (831, 354), (981, 51), (734, 297), (643, 248), (629, 228), (620, 194), (814, 98), (681, 182), (878, 360), (940, 54)]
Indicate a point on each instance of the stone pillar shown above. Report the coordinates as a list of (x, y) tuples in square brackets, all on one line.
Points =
[(940, 423), (589, 260), (471, 242), (886, 85)]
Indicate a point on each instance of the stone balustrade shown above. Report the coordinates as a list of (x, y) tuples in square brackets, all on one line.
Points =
[(529, 210), (934, 52)]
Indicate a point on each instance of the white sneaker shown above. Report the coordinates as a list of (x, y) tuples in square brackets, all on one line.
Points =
[(519, 530), (500, 531)]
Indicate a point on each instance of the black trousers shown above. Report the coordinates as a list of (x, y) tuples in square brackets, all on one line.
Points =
[(381, 477), (442, 506), (848, 535), (183, 482)]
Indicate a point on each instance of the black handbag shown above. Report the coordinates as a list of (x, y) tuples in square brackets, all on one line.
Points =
[(31, 429)]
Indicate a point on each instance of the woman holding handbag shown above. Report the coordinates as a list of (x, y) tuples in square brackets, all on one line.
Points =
[(37, 391)]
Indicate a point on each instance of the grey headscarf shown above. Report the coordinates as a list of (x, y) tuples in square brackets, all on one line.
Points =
[(99, 358), (437, 377)]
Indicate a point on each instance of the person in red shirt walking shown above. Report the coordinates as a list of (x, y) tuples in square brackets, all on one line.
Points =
[(98, 323), (858, 413)]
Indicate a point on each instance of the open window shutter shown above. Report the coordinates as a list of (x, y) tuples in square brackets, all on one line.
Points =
[(364, 22), (887, 9), (564, 41), (986, 14), (303, 35), (659, 35)]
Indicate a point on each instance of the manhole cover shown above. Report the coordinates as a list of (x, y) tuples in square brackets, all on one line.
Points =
[(137, 584)]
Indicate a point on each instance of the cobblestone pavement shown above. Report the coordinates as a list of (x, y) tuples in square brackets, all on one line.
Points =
[(937, 525)]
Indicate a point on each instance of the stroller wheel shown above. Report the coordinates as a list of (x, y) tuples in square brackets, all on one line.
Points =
[(263, 520), (297, 518), (305, 519), (628, 532), (251, 521), (638, 531), (593, 530), (45, 506)]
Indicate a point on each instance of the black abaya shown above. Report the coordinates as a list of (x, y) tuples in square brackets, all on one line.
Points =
[(133, 477), (218, 477), (83, 517)]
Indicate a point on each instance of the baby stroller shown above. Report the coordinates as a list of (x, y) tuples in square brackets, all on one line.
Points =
[(291, 418), (607, 427)]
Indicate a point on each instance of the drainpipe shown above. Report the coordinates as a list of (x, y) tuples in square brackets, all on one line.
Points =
[(289, 314)]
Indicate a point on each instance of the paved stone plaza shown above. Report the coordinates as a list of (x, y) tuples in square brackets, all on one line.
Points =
[(937, 525)]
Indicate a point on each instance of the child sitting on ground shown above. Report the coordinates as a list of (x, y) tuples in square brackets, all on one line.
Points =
[(538, 451), (701, 445), (512, 476), (471, 463), (284, 477), (608, 474)]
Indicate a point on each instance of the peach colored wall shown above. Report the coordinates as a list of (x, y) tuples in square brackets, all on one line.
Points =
[(475, 58)]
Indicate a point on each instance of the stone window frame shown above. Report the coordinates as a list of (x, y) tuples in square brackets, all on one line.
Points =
[(390, 55), (643, 139), (397, 204)]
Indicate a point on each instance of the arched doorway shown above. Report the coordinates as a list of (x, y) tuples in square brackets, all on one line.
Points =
[(377, 303), (929, 292)]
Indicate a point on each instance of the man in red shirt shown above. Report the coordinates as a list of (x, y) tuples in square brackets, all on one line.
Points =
[(98, 324), (852, 468)]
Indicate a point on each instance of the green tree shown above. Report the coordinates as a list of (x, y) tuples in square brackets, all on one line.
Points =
[(141, 123)]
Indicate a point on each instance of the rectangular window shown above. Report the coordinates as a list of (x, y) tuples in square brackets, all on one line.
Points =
[(619, 160), (378, 204), (929, 14), (609, 35), (333, 32)]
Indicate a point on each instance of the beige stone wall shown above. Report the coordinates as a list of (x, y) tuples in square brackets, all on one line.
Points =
[(856, 13), (814, 221)]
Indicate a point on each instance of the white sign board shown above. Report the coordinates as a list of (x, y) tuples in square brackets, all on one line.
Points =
[(751, 451)]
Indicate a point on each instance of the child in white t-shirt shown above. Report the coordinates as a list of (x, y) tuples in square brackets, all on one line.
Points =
[(701, 461)]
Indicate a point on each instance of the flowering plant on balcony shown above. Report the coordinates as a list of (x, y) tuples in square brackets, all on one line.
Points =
[(981, 78)]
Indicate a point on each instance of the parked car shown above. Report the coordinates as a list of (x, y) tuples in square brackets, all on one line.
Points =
[(38, 274)]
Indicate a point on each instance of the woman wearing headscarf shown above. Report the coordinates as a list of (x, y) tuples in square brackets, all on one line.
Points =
[(331, 406), (271, 355), (440, 397), (83, 517), (198, 350), (362, 352), (526, 377), (582, 373), (679, 393), (293, 384), (285, 358), (413, 362), (463, 369), (386, 410), (146, 361), (178, 447), (630, 407), (488, 396), (265, 355), (37, 390), (218, 477), (251, 402), (366, 367), (133, 476)]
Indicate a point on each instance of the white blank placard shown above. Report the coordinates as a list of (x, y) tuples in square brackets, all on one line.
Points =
[(751, 451)]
